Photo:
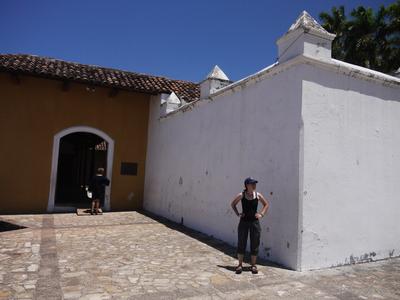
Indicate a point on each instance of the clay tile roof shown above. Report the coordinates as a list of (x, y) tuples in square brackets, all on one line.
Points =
[(95, 75)]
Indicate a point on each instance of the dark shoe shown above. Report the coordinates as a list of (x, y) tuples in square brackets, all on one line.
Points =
[(254, 269), (239, 269)]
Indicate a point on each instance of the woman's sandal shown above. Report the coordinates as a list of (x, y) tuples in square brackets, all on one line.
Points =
[(254, 269), (239, 269)]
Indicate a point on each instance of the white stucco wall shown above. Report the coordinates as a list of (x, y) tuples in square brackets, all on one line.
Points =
[(322, 136), (351, 192), (197, 161)]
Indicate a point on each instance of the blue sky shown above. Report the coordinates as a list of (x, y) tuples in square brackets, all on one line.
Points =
[(180, 39)]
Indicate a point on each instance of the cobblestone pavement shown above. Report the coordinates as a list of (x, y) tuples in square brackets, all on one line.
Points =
[(129, 255)]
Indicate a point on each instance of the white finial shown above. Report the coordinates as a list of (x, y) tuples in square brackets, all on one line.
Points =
[(169, 103), (217, 73), (305, 37), (305, 21), (214, 81)]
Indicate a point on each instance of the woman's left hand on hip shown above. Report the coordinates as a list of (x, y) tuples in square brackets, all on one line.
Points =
[(258, 215)]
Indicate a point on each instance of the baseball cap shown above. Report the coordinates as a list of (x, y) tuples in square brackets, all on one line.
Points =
[(250, 180)]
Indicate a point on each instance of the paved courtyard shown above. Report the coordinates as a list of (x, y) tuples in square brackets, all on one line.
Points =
[(130, 255)]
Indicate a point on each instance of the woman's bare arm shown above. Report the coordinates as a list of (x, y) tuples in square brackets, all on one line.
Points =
[(264, 203), (235, 202)]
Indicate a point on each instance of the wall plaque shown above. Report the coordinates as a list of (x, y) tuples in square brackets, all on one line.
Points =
[(129, 168)]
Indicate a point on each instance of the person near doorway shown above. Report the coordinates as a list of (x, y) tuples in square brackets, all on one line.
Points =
[(97, 187), (249, 222)]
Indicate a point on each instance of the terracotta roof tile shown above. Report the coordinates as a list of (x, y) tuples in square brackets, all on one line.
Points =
[(95, 75)]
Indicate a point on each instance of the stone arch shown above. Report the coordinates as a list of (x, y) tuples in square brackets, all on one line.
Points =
[(54, 163)]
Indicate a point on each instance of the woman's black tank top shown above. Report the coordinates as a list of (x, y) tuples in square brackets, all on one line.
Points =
[(249, 208)]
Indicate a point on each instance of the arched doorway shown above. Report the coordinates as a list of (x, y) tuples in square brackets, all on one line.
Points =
[(77, 153)]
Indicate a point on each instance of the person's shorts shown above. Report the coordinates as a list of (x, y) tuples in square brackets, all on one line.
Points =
[(244, 229), (98, 198)]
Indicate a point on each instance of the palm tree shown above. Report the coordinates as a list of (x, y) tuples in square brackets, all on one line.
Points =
[(393, 36), (361, 43), (336, 22), (370, 39)]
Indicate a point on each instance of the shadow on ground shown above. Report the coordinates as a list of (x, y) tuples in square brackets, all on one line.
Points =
[(210, 241), (6, 226)]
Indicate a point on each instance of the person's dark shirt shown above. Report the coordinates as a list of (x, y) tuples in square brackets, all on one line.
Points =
[(97, 186)]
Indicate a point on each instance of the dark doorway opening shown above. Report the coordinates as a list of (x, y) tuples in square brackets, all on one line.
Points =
[(80, 154)]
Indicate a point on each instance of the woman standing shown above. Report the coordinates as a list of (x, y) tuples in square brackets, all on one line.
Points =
[(97, 187), (249, 222)]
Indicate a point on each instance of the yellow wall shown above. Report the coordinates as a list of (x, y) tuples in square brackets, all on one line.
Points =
[(34, 110)]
